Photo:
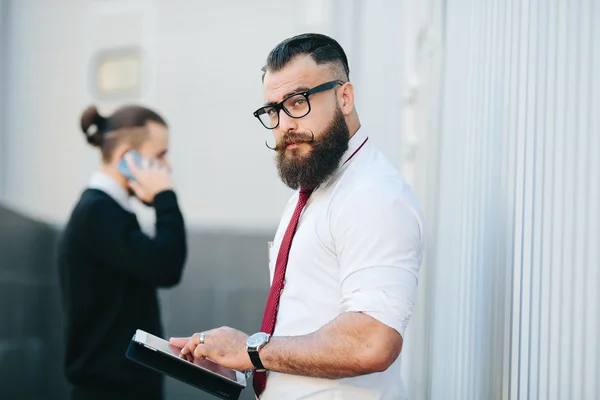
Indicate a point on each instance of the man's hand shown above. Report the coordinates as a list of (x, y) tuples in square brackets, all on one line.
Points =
[(225, 346), (149, 181)]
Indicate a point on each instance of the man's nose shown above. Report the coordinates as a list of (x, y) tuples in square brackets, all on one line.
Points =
[(286, 123), (167, 163)]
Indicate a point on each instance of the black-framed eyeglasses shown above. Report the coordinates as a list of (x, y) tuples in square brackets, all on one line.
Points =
[(296, 106)]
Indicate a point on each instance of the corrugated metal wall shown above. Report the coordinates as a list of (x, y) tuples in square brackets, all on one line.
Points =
[(511, 108), (3, 54)]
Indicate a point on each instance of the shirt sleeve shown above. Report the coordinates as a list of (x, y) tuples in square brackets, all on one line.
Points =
[(379, 242), (120, 244)]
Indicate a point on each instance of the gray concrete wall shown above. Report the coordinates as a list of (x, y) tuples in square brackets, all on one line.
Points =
[(30, 317), (225, 283)]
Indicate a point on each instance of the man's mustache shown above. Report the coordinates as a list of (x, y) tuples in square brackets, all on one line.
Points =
[(294, 138)]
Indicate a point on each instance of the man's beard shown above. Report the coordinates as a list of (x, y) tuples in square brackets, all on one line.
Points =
[(310, 170)]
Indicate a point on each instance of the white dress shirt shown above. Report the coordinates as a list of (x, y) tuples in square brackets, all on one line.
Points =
[(358, 248)]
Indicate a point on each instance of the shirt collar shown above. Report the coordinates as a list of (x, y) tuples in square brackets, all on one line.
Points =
[(111, 187), (354, 143)]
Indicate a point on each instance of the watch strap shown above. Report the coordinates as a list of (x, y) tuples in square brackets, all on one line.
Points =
[(255, 358)]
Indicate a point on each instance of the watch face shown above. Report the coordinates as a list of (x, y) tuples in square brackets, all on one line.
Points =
[(257, 339)]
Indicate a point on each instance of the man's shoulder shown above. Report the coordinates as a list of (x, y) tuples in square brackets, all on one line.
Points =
[(375, 193), (375, 185), (96, 204), (92, 206), (373, 178)]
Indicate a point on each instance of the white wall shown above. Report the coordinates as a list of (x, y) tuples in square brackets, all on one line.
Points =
[(377, 54), (202, 71), (46, 159)]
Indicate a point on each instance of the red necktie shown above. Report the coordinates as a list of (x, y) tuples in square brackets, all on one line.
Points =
[(270, 315)]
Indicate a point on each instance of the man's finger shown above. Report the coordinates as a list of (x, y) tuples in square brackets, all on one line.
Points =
[(201, 351), (179, 341), (186, 349), (190, 346), (137, 189)]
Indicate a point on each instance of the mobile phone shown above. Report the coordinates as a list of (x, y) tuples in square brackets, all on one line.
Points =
[(124, 169)]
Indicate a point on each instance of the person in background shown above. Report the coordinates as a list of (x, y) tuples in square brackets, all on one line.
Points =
[(346, 255), (109, 269)]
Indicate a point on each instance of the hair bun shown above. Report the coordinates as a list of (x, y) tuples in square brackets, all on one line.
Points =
[(93, 125)]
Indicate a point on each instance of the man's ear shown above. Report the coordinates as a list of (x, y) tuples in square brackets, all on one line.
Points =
[(120, 152), (346, 98)]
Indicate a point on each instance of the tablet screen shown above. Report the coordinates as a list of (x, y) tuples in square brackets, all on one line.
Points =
[(174, 351)]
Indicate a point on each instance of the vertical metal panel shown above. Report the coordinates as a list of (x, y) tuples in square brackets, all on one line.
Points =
[(4, 4), (515, 261)]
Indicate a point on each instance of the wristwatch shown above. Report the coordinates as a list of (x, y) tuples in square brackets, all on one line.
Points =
[(253, 345)]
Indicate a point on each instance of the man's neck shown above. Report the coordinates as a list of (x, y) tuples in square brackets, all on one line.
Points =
[(353, 123), (116, 175)]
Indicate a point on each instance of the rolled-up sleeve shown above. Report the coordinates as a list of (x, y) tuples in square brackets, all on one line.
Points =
[(379, 243)]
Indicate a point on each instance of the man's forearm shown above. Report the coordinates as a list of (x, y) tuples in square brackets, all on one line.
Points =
[(342, 348), (306, 355)]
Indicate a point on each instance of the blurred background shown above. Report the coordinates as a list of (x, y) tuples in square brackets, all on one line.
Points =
[(490, 108)]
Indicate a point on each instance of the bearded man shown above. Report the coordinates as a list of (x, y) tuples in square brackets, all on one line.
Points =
[(345, 258)]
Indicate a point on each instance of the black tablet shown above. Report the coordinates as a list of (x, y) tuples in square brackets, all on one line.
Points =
[(159, 355)]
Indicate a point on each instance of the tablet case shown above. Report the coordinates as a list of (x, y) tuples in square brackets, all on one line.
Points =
[(183, 371)]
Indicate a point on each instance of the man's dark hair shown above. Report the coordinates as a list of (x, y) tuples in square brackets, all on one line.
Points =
[(128, 123), (321, 48)]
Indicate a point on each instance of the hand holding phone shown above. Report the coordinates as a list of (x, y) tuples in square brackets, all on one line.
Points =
[(145, 179)]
